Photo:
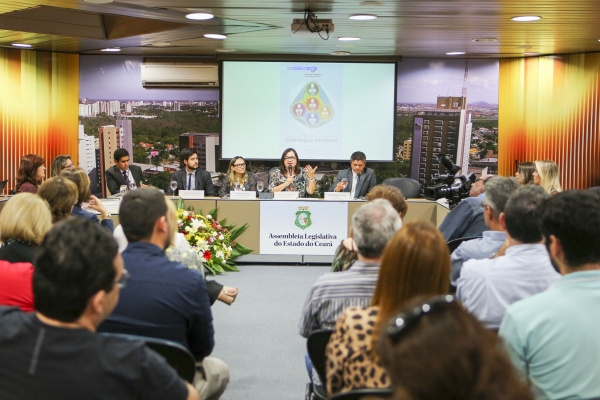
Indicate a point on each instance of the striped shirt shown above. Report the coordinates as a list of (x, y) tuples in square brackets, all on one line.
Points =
[(336, 291)]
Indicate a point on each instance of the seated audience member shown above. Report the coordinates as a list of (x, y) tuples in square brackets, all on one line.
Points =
[(80, 178), (190, 176), (553, 336), (60, 163), (30, 174), (55, 352), (466, 219), (497, 192), (164, 299), (61, 194), (289, 177), (435, 349), (525, 172), (345, 254), (24, 221), (415, 262), (487, 287), (358, 179), (123, 173), (373, 225), (237, 174), (546, 175)]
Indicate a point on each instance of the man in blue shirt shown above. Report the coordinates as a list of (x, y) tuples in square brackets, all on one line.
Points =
[(552, 337), (164, 299)]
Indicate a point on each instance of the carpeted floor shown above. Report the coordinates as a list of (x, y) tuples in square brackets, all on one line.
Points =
[(257, 336)]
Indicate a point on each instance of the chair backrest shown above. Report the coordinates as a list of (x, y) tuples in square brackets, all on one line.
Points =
[(2, 185), (454, 243), (316, 345), (364, 394), (410, 188), (176, 355)]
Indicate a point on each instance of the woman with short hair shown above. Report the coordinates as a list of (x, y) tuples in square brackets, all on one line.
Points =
[(30, 174), (290, 177), (61, 194)]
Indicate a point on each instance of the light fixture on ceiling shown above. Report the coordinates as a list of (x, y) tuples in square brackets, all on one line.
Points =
[(363, 17), (160, 44), (526, 18), (340, 53), (485, 40), (455, 53), (348, 38), (199, 16), (532, 54), (112, 49), (23, 45), (99, 1), (215, 36), (225, 50)]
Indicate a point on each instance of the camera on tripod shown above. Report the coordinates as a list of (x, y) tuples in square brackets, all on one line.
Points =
[(449, 186)]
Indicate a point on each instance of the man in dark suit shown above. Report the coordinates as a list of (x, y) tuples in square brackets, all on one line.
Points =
[(358, 180), (190, 177), (122, 173)]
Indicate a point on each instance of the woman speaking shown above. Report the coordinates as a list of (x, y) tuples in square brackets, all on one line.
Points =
[(289, 177)]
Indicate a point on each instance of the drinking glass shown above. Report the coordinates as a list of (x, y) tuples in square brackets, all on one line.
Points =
[(260, 186), (123, 189), (344, 182), (173, 186)]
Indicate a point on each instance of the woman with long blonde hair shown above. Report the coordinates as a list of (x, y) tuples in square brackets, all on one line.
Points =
[(546, 175), (237, 173)]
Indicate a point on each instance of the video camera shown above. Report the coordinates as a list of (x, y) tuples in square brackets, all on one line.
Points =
[(449, 186)]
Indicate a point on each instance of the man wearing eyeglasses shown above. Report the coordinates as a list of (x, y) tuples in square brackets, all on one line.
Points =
[(55, 352)]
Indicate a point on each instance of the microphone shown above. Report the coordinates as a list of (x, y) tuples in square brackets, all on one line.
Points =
[(290, 170)]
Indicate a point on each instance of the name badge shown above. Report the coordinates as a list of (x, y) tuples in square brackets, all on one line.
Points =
[(191, 194), (286, 195), (337, 195), (242, 195)]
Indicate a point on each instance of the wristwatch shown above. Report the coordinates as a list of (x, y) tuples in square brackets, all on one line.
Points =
[(106, 215)]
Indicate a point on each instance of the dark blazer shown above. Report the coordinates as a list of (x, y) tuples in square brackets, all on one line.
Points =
[(80, 212), (366, 183), (114, 177), (203, 181)]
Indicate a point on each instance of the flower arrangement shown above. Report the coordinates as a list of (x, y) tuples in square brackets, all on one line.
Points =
[(214, 241)]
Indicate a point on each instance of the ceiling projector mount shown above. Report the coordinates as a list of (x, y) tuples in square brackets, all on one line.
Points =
[(311, 26)]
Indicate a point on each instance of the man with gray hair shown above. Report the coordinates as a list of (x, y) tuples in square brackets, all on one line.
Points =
[(373, 225), (497, 191)]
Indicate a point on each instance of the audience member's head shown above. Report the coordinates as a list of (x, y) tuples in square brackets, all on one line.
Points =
[(546, 175), (373, 225), (525, 172), (171, 217), (60, 163), (391, 194), (61, 194), (77, 272), (143, 214), (122, 159), (415, 262), (497, 192), (436, 350), (31, 169), (81, 179), (478, 187), (570, 225), (25, 217), (521, 214)]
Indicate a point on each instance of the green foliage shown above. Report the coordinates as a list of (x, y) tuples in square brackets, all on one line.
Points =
[(322, 186), (92, 124), (140, 155), (160, 180)]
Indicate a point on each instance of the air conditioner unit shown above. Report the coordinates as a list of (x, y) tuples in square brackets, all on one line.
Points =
[(180, 74)]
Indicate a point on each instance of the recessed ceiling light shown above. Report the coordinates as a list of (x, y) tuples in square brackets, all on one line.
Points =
[(215, 36), (199, 16), (485, 40), (348, 38), (113, 49), (161, 44), (526, 18), (340, 53), (23, 45), (98, 1), (532, 54), (455, 53), (363, 17), (224, 50)]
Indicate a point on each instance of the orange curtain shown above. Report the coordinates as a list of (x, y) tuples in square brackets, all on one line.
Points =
[(548, 110), (38, 108)]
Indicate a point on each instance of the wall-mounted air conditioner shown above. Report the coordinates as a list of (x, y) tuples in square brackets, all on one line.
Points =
[(179, 74)]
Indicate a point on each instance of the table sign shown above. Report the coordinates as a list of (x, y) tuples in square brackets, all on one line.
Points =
[(337, 196), (191, 194), (302, 227), (242, 195), (285, 195)]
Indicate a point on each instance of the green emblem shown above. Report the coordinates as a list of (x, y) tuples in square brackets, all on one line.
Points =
[(303, 219)]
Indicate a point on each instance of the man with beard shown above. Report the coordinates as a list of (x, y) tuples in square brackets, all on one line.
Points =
[(552, 337), (190, 177), (164, 299)]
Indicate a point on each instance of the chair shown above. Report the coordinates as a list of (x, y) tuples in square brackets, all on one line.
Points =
[(365, 394), (316, 345), (177, 356), (410, 188)]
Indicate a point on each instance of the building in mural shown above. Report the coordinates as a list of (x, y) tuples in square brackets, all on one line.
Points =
[(109, 140), (206, 146)]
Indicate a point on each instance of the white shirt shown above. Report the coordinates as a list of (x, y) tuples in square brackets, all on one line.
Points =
[(354, 182)]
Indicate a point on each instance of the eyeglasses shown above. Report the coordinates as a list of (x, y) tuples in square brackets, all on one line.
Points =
[(290, 158), (404, 321), (122, 282), (239, 165)]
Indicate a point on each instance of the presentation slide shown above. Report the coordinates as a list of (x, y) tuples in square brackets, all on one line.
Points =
[(326, 111)]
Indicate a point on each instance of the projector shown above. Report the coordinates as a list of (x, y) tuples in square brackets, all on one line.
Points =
[(299, 28)]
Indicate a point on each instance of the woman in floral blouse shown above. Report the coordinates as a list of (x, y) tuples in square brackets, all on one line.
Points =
[(299, 180), (237, 173)]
